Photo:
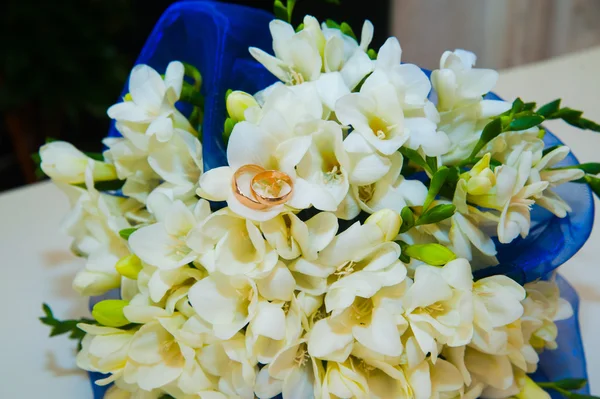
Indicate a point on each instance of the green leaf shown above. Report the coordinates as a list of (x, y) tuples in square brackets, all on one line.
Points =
[(585, 124), (529, 106), (97, 156), (432, 254), (525, 122), (415, 157), (571, 384), (432, 162), (592, 168), (490, 132), (372, 54), (548, 109), (194, 73), (280, 11), (299, 28), (581, 396), (436, 214), (110, 185), (332, 24), (403, 256), (190, 94), (566, 114), (437, 181), (125, 233), (594, 183), (517, 106), (227, 129), (408, 219), (60, 327), (347, 30)]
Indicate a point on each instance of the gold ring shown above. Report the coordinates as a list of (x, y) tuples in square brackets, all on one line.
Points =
[(241, 197), (272, 179)]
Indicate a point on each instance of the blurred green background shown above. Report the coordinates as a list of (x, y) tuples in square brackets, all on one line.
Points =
[(64, 63)]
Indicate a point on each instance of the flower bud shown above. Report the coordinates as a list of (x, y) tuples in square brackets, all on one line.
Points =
[(531, 390), (432, 254), (110, 313), (63, 162), (388, 221), (94, 283), (479, 185), (237, 103), (129, 266)]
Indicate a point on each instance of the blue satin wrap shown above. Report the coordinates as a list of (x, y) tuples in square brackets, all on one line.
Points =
[(215, 38)]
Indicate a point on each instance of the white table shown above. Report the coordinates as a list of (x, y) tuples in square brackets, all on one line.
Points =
[(38, 267)]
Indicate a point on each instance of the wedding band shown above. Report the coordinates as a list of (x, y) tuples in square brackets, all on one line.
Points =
[(243, 199), (272, 177)]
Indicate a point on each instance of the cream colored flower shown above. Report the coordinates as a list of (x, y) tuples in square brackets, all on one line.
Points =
[(368, 320), (457, 83), (541, 171), (543, 306), (293, 372), (157, 358), (163, 244), (104, 350), (291, 237), (63, 162), (391, 191), (275, 326), (150, 107), (350, 251), (232, 245), (228, 303), (439, 305)]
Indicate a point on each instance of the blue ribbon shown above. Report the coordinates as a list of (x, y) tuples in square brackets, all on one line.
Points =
[(215, 38)]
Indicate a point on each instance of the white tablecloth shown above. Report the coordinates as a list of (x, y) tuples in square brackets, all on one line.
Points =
[(38, 267)]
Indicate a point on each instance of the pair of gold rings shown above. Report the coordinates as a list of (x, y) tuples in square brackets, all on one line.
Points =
[(273, 181)]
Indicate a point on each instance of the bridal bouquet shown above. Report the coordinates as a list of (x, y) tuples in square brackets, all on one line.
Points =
[(333, 254)]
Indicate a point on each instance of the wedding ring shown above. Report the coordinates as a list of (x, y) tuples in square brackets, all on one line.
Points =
[(239, 195), (274, 181)]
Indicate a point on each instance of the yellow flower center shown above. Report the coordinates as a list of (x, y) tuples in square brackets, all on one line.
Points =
[(380, 127), (302, 356), (361, 310)]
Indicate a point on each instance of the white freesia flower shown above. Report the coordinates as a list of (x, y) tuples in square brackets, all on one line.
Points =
[(541, 171), (276, 325), (157, 358), (104, 350), (412, 88), (330, 60), (151, 104), (293, 373), (543, 306), (507, 191), (322, 177), (291, 237), (371, 321), (497, 303), (457, 83), (377, 115), (340, 257), (232, 245), (94, 222), (163, 244), (391, 191), (64, 163), (439, 305), (463, 112), (228, 303), (311, 153)]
